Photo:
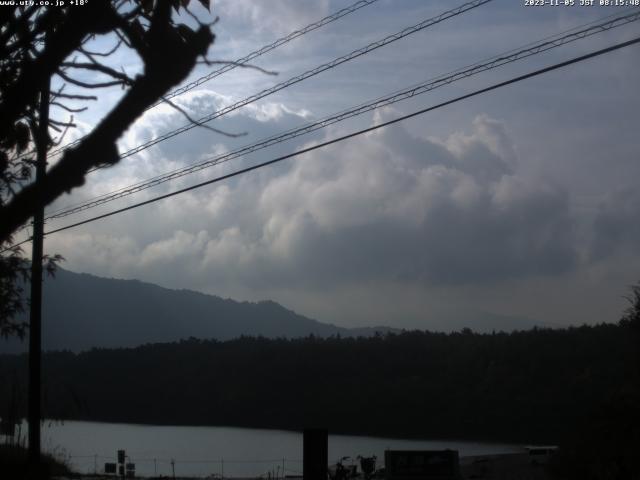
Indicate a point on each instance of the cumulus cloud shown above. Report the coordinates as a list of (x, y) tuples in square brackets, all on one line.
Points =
[(391, 206), (259, 120), (386, 206), (460, 211)]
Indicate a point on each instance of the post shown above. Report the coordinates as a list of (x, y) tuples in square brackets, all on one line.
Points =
[(35, 309), (122, 459), (315, 443)]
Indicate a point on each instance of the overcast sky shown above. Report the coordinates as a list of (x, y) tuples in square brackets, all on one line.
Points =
[(522, 202)]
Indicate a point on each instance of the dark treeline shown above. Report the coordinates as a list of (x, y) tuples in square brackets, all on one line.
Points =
[(533, 386)]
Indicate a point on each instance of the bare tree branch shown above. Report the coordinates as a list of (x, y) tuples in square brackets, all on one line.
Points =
[(102, 54), (160, 46), (123, 39), (69, 109), (82, 84), (236, 64), (201, 124), (99, 68), (94, 17), (59, 140), (76, 97), (62, 124)]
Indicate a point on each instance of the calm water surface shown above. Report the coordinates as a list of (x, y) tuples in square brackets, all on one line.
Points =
[(217, 451)]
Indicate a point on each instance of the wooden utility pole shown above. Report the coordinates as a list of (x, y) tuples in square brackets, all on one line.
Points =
[(35, 312), (315, 453)]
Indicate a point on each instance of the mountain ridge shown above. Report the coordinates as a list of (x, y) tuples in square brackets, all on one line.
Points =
[(115, 313), (121, 313)]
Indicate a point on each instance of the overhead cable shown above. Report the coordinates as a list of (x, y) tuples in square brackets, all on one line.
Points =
[(310, 73), (409, 92), (351, 135), (267, 48), (247, 58)]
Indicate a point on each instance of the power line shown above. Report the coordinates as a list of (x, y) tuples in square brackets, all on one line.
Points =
[(409, 92), (334, 63), (267, 48), (345, 137), (308, 74), (357, 133), (581, 31), (247, 58)]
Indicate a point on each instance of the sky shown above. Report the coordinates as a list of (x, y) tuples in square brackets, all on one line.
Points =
[(520, 203)]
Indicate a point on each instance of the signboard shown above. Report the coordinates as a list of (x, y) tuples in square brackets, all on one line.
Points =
[(110, 468)]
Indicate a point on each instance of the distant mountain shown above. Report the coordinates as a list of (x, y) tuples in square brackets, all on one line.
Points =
[(81, 311)]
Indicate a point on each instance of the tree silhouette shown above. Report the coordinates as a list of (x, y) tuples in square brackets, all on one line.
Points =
[(631, 315), (42, 43)]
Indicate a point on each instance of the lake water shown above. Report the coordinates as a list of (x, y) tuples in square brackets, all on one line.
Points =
[(217, 451)]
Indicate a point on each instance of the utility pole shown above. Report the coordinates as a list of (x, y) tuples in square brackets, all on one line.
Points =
[(35, 312)]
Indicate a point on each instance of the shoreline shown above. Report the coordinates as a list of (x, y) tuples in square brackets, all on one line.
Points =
[(340, 433)]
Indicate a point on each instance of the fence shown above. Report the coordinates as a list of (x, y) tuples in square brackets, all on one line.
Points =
[(271, 469)]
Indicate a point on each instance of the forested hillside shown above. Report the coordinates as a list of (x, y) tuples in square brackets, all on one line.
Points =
[(82, 311), (533, 386)]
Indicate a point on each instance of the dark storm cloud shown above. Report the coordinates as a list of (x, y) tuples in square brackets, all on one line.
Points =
[(387, 206), (616, 227), (395, 207), (443, 206)]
